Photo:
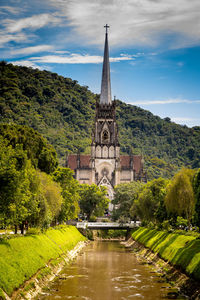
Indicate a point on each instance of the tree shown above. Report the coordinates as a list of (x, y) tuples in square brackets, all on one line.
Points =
[(51, 199), (150, 203), (70, 193), (38, 150), (93, 200), (196, 187), (26, 194), (17, 197), (8, 180), (180, 197), (24, 203), (125, 195)]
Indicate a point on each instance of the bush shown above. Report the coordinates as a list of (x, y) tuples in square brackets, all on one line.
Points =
[(33, 231), (151, 225), (181, 223), (105, 220), (144, 223), (166, 225), (93, 219), (123, 220), (87, 233)]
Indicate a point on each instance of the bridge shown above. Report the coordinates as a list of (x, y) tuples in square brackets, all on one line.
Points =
[(107, 225)]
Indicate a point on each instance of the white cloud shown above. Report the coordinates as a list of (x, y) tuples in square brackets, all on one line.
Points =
[(10, 9), (133, 22), (30, 50), (26, 63), (124, 57), (18, 37), (34, 22), (13, 29), (165, 101), (186, 120), (30, 64), (61, 52), (77, 59)]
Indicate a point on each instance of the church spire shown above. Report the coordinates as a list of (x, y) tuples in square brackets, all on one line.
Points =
[(105, 97)]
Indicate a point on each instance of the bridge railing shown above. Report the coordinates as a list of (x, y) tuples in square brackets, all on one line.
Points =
[(113, 225)]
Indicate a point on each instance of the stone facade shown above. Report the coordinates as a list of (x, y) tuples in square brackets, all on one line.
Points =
[(105, 166)]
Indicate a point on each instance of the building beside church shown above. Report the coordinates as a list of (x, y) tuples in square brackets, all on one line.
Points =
[(105, 166)]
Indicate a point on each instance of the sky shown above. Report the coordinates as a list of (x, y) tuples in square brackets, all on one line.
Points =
[(154, 48)]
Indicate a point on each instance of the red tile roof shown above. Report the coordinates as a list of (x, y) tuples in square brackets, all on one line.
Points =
[(72, 161), (137, 163), (125, 162), (84, 161)]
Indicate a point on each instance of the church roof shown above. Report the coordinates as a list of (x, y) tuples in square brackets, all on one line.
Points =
[(85, 161), (73, 161), (125, 161), (137, 163)]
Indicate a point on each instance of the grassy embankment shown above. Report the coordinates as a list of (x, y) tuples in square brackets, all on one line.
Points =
[(180, 250), (22, 257)]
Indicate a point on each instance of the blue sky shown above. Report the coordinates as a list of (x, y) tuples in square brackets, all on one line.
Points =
[(154, 48)]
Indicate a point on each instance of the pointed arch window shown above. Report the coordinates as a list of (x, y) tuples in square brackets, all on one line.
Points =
[(105, 137)]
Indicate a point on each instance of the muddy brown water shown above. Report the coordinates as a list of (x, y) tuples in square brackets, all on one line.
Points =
[(107, 271)]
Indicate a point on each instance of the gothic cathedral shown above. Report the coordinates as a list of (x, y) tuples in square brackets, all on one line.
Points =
[(105, 166)]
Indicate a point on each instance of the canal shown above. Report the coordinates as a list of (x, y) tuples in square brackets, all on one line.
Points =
[(107, 271)]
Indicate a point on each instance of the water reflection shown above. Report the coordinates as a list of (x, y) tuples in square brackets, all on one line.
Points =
[(107, 271)]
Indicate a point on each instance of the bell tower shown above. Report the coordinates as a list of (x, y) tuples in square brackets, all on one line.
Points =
[(105, 148)]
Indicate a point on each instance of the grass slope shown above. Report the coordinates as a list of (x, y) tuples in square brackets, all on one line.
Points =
[(22, 257), (182, 251)]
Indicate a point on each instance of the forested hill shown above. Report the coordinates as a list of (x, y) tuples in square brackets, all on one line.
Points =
[(63, 112)]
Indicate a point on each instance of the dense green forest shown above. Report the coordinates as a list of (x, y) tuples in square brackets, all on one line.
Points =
[(63, 112)]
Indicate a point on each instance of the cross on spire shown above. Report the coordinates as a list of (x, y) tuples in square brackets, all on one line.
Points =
[(105, 97), (107, 26)]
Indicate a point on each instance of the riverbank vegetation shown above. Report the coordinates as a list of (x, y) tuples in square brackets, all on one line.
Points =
[(111, 234), (34, 191), (22, 257), (181, 250), (63, 112), (93, 200), (161, 203)]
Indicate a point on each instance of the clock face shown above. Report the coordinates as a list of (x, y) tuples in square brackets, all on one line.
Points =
[(104, 181)]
